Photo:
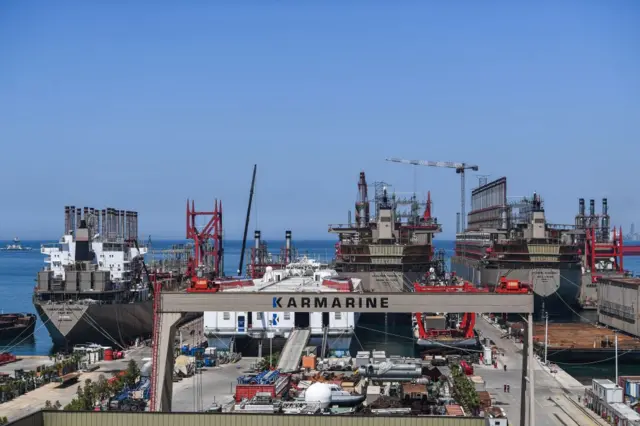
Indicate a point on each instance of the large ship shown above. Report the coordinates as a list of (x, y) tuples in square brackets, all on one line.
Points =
[(245, 332), (391, 249), (92, 289), (514, 240)]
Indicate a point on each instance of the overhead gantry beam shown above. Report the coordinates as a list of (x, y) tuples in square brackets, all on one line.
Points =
[(172, 305), (346, 302)]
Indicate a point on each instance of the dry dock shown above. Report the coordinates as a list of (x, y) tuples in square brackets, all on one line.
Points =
[(582, 342)]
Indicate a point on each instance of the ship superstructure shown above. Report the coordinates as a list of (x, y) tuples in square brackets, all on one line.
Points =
[(91, 288), (245, 331), (390, 249), (514, 240)]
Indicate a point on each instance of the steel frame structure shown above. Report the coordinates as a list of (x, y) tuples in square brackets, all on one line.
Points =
[(170, 306), (211, 231)]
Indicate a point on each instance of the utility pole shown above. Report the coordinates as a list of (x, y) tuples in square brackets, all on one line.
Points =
[(532, 362), (546, 335), (616, 336)]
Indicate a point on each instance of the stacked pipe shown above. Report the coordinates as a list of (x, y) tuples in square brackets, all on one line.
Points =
[(135, 225), (67, 220), (388, 370), (85, 216), (78, 218), (72, 219)]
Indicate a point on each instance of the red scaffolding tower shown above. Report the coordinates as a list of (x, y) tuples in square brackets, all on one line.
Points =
[(206, 265)]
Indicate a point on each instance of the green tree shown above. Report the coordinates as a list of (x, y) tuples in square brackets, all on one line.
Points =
[(4, 420), (102, 388), (132, 373), (47, 405)]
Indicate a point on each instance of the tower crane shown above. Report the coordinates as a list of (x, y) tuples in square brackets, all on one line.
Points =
[(460, 169)]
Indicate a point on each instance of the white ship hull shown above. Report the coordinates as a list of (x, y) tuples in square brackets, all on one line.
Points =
[(245, 339)]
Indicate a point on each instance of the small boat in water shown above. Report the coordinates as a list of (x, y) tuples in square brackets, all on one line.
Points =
[(16, 245), (17, 325)]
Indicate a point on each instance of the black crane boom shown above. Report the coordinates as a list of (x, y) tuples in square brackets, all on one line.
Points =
[(246, 222)]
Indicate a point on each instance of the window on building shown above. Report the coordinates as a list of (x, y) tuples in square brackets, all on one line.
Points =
[(338, 315), (287, 316), (226, 316), (259, 316)]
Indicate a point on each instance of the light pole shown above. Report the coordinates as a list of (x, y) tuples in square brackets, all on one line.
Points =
[(546, 335)]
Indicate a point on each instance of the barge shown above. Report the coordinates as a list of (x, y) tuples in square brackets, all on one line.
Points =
[(582, 342)]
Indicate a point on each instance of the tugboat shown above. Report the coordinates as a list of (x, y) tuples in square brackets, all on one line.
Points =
[(15, 246)]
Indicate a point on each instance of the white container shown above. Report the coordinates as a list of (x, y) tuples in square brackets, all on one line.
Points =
[(487, 355)]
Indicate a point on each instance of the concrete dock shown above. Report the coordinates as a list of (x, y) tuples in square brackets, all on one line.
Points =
[(556, 394), (212, 385)]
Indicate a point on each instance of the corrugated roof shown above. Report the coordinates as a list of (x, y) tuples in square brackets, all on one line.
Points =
[(454, 410)]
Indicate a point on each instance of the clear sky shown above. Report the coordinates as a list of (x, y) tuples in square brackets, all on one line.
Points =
[(140, 105)]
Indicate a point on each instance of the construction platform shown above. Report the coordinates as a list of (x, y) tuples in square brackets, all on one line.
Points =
[(582, 342)]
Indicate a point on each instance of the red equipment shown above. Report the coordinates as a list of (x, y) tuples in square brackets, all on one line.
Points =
[(206, 265), (468, 319), (506, 286), (599, 250)]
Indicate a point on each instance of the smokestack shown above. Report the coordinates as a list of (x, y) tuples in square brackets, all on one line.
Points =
[(605, 220), (256, 236), (581, 206), (349, 218), (458, 223), (67, 220), (592, 207), (287, 238)]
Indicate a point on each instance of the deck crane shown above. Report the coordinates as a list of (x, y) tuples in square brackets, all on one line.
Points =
[(460, 169)]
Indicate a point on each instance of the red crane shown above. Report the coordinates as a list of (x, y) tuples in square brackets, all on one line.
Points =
[(206, 265)]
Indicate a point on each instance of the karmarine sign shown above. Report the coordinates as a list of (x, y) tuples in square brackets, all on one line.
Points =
[(323, 302)]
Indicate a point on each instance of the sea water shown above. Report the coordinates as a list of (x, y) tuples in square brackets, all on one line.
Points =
[(18, 274)]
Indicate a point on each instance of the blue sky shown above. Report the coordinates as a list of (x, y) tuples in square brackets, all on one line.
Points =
[(141, 105)]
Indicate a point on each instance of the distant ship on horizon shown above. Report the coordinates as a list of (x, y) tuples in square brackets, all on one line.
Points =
[(16, 245)]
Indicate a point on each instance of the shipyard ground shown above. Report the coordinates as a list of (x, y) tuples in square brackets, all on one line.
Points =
[(35, 400), (556, 394), (212, 385)]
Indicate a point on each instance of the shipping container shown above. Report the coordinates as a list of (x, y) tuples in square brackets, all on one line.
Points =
[(249, 391)]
